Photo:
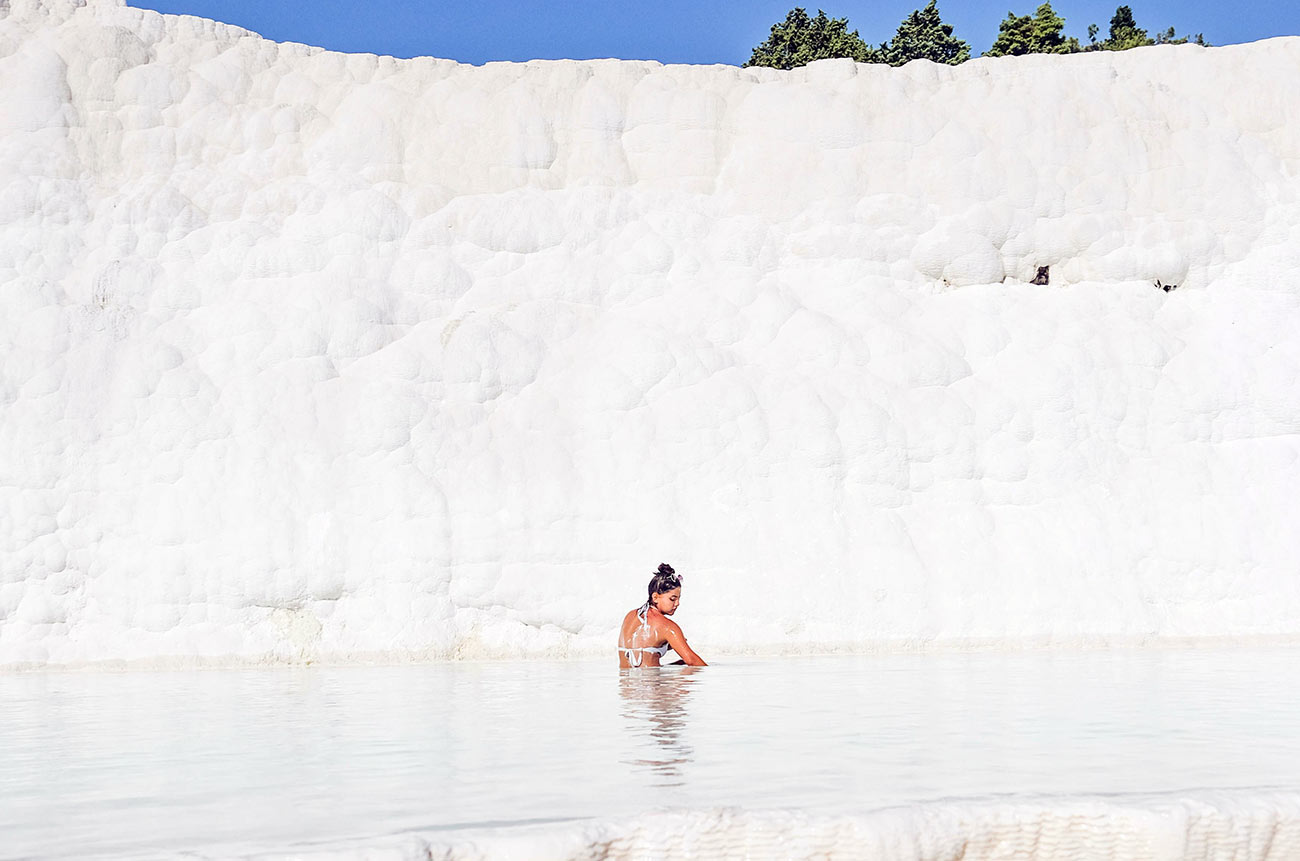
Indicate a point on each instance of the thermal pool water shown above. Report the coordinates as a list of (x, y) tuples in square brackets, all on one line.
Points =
[(1157, 754)]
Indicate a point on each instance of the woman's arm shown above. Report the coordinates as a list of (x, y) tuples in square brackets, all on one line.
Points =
[(677, 640)]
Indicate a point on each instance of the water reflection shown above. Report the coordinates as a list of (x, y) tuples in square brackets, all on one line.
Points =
[(655, 715)]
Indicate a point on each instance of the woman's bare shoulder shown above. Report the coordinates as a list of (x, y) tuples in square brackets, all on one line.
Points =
[(666, 625), (660, 622)]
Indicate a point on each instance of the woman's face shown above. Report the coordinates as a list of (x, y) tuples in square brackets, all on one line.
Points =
[(666, 602)]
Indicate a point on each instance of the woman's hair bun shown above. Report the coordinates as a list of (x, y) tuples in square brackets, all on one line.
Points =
[(665, 568)]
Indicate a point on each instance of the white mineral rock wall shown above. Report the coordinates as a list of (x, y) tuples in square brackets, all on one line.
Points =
[(316, 356)]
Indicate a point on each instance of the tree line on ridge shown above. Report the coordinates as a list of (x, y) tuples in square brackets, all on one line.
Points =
[(801, 39)]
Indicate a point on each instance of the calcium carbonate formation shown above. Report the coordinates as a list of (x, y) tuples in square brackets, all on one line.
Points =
[(306, 355)]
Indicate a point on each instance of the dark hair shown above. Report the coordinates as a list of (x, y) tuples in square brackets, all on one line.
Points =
[(664, 580)]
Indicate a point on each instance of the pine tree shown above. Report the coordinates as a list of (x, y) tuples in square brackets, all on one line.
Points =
[(1169, 38), (924, 36), (1039, 34), (1125, 33), (799, 40)]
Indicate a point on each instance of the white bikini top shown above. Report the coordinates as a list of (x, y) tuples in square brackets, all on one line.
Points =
[(636, 656)]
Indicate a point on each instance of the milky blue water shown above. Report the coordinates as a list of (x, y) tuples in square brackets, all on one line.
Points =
[(137, 762)]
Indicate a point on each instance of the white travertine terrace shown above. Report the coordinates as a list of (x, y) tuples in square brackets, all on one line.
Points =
[(316, 356)]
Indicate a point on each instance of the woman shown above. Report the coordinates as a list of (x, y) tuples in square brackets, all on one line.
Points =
[(647, 631)]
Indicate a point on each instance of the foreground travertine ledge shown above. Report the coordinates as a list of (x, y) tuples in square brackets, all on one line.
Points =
[(1265, 827)]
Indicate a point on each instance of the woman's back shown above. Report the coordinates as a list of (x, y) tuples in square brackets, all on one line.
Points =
[(639, 642)]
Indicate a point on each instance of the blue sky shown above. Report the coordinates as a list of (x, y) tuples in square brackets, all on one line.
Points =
[(675, 31)]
